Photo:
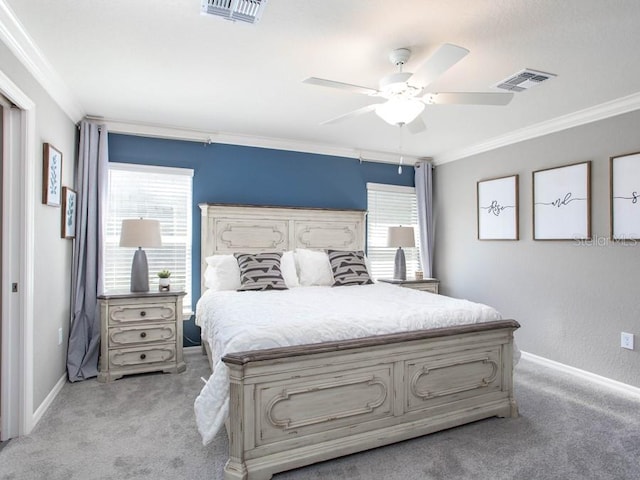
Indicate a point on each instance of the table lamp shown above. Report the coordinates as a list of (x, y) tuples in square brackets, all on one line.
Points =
[(400, 237), (138, 233)]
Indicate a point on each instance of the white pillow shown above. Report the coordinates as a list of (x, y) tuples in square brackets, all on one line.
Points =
[(288, 269), (313, 268), (223, 273)]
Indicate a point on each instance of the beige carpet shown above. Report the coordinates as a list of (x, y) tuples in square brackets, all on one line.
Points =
[(142, 427)]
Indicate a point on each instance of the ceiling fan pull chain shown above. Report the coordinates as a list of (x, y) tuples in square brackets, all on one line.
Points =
[(401, 155)]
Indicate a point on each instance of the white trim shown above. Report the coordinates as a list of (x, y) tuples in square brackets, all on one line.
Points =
[(23, 253), (575, 119), (46, 403), (583, 374), (136, 167), (10, 373), (177, 133), (27, 266), (385, 187), (17, 39)]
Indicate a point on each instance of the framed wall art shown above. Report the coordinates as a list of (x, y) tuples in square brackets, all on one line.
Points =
[(51, 175), (498, 208), (68, 213), (625, 190), (562, 203)]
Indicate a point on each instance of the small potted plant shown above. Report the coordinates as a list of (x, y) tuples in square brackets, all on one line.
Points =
[(164, 282)]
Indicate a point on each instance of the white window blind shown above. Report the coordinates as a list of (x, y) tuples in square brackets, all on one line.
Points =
[(390, 206), (158, 193)]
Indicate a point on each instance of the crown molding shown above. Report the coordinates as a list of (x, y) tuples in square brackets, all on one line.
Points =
[(177, 133), (15, 37), (575, 119)]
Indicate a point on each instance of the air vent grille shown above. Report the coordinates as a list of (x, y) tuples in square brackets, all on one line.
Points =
[(524, 80), (248, 11)]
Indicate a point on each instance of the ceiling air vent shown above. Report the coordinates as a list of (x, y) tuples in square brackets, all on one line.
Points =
[(524, 80), (244, 10)]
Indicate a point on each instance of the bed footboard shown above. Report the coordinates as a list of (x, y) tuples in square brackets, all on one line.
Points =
[(294, 406)]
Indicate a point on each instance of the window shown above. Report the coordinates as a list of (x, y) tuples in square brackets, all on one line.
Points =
[(389, 206), (159, 193)]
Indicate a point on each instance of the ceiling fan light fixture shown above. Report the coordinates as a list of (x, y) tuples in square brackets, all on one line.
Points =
[(400, 111), (395, 83)]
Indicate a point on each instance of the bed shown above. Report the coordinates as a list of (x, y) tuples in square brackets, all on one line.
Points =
[(293, 402)]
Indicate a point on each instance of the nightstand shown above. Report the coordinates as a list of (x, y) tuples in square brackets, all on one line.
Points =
[(425, 285), (140, 332)]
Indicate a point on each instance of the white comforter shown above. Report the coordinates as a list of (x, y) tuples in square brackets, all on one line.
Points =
[(240, 321)]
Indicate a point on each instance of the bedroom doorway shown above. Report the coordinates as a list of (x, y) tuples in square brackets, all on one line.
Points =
[(17, 194)]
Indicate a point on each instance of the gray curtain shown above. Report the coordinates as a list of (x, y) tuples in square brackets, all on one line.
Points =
[(424, 195), (86, 272)]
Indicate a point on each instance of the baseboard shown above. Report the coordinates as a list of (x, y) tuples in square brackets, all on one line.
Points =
[(46, 403), (195, 348), (583, 374)]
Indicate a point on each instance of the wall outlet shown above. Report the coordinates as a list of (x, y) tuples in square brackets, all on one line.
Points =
[(60, 336), (626, 340)]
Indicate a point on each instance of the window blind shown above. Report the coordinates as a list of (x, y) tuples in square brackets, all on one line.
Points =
[(390, 206), (159, 193)]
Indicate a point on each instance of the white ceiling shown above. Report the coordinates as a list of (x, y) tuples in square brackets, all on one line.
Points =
[(162, 63)]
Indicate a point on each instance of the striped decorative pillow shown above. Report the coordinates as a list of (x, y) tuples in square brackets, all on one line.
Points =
[(260, 271), (349, 268)]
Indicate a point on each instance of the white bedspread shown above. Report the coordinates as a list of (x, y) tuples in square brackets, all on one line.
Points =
[(240, 321)]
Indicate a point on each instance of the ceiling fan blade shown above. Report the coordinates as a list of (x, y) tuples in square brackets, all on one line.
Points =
[(442, 60), (468, 98), (355, 113), (342, 86), (417, 126)]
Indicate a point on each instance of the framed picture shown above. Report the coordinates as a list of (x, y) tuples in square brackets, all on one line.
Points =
[(562, 203), (498, 208), (625, 190), (51, 175), (68, 213)]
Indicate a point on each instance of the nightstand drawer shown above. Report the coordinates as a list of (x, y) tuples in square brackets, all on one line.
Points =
[(126, 336), (126, 357), (423, 287), (150, 312)]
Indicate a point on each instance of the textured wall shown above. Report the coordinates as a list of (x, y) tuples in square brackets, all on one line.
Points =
[(572, 299), (256, 176)]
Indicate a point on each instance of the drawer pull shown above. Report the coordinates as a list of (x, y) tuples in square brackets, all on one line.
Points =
[(143, 356), (143, 313), (143, 334)]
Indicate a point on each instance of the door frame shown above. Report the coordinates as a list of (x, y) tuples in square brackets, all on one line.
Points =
[(18, 215)]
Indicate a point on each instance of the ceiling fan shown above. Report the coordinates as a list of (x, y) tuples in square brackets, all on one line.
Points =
[(404, 92)]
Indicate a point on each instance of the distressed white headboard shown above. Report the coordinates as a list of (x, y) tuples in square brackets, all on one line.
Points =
[(226, 229)]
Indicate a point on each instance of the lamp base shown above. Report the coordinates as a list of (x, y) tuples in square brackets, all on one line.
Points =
[(139, 272), (400, 267)]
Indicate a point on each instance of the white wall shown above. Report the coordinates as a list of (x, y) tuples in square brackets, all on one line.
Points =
[(571, 300), (52, 254)]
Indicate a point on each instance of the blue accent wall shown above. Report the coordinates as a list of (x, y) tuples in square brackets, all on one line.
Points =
[(256, 176)]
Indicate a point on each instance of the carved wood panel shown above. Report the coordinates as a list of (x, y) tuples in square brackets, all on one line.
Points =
[(311, 405), (322, 235), (433, 381), (251, 235)]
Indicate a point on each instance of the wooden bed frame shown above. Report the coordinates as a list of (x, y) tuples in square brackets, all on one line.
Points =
[(294, 406)]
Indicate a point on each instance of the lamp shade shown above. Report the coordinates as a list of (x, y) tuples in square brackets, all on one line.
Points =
[(398, 111), (401, 237), (140, 232)]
